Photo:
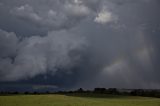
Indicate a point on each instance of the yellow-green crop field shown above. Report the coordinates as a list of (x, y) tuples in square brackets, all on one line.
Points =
[(77, 100)]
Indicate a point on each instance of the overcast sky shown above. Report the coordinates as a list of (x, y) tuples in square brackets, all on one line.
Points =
[(66, 44)]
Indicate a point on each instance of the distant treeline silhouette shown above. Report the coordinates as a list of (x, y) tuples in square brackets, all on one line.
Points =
[(113, 91)]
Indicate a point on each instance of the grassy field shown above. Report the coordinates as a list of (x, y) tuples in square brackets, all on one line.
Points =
[(77, 100)]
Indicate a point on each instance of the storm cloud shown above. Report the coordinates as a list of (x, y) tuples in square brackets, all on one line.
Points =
[(38, 55), (80, 43)]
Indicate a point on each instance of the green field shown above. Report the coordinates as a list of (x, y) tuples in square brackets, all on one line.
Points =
[(77, 100)]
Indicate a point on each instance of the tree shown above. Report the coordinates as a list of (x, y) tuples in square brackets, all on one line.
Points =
[(80, 90)]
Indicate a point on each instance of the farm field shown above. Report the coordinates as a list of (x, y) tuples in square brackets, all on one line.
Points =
[(77, 100)]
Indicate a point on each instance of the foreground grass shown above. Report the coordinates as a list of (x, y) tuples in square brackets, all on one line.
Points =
[(77, 100)]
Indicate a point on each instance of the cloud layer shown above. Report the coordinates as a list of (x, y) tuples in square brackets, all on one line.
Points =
[(68, 14), (39, 55), (80, 43)]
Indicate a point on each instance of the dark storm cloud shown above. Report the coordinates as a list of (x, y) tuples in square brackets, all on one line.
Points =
[(8, 49), (48, 15), (38, 55), (105, 43), (126, 51)]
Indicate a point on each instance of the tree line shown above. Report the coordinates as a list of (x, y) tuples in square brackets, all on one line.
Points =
[(113, 91)]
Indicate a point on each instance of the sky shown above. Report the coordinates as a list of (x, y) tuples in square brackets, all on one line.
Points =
[(67, 44)]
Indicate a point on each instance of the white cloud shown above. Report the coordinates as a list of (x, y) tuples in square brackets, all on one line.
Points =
[(104, 17)]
